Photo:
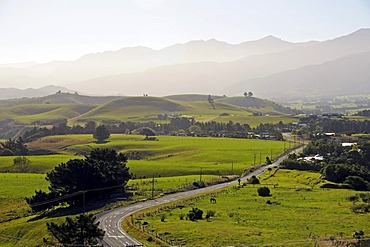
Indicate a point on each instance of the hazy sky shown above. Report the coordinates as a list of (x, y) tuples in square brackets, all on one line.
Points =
[(45, 30)]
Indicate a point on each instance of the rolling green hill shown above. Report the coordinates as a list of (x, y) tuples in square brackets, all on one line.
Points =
[(80, 109)]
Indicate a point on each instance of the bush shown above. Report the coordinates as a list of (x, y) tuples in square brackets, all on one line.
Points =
[(360, 208), (195, 214), (263, 191), (357, 183), (163, 217), (253, 180)]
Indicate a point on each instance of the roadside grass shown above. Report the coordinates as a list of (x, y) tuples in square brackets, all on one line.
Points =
[(299, 209), (164, 185)]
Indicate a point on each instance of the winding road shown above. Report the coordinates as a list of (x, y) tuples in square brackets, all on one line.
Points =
[(111, 221)]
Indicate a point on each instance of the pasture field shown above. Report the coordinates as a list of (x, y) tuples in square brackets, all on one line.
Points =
[(168, 156), (179, 156), (39, 164), (15, 230), (17, 225), (299, 210)]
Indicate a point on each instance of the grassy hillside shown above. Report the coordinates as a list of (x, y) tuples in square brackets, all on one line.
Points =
[(299, 209), (80, 109)]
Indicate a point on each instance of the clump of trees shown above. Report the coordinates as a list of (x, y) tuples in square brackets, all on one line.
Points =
[(81, 231), (349, 166), (102, 171), (13, 147)]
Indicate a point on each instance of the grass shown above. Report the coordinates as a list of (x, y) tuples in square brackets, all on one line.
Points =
[(169, 157), (14, 187), (175, 156), (39, 164), (300, 209)]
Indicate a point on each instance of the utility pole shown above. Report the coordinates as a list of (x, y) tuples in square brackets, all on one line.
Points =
[(232, 167), (254, 162), (260, 158), (83, 200), (153, 187), (200, 177)]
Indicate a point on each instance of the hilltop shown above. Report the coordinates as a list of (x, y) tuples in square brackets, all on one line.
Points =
[(79, 109)]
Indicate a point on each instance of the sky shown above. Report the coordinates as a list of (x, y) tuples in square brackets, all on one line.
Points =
[(49, 30)]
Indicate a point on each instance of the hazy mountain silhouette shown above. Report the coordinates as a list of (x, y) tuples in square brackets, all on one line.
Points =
[(343, 76), (136, 59), (208, 67), (214, 77), (12, 93)]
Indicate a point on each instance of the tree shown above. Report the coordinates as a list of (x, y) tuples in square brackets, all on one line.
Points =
[(147, 132), (263, 191), (21, 164), (253, 180), (250, 94), (357, 183), (245, 94), (81, 231), (14, 147), (101, 133), (103, 168)]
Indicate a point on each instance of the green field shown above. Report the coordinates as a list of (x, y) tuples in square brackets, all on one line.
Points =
[(175, 156), (168, 156), (300, 209)]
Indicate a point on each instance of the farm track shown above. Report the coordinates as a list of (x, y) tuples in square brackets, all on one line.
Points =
[(111, 221)]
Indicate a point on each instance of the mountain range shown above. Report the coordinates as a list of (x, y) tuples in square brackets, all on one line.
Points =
[(270, 67)]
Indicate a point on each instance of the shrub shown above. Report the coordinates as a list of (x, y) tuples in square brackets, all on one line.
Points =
[(211, 213), (195, 214), (163, 217), (263, 191), (360, 208), (253, 180)]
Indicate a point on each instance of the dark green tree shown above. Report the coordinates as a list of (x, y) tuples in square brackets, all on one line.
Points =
[(103, 168), (263, 191), (81, 231), (357, 183), (101, 133)]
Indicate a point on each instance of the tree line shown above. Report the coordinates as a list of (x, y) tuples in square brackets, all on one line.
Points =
[(176, 126)]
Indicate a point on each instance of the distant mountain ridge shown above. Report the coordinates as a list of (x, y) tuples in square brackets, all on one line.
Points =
[(209, 67), (13, 93)]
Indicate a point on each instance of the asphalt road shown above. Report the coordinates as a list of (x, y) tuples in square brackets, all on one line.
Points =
[(111, 221)]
